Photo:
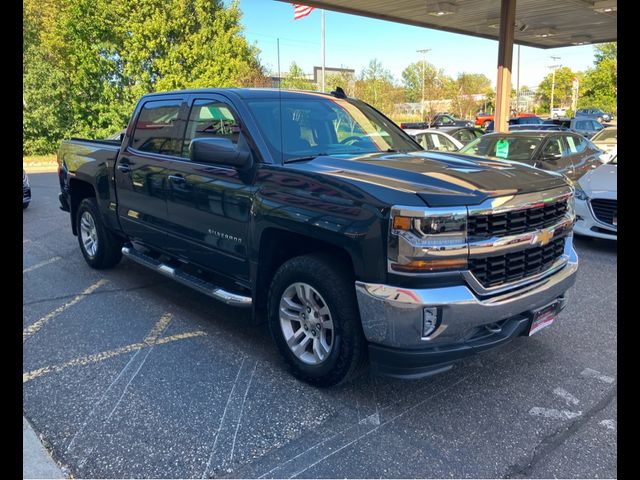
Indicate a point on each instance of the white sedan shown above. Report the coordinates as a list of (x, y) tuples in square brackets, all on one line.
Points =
[(597, 202), (434, 140), (607, 141)]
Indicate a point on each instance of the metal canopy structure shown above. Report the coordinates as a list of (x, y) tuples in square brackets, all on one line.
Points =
[(534, 23), (539, 23)]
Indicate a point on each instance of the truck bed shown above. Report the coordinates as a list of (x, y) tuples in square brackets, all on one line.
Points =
[(75, 152)]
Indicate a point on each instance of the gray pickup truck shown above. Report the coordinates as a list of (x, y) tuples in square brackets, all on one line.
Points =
[(325, 219)]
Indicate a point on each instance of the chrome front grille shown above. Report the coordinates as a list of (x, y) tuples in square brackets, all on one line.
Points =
[(512, 267), (517, 239), (517, 221)]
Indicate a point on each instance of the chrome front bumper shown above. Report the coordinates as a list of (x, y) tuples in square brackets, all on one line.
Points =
[(393, 316)]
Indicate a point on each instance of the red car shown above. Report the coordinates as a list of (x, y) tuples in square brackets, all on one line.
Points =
[(483, 119)]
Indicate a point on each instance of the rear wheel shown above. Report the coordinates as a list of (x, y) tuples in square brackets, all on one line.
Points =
[(100, 248), (315, 322), (485, 124)]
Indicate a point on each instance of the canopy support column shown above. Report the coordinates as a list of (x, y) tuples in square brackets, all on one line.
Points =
[(505, 60)]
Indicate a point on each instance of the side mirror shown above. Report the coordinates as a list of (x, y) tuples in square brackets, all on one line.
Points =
[(220, 151)]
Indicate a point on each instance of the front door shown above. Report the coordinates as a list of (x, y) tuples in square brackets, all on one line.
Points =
[(209, 205)]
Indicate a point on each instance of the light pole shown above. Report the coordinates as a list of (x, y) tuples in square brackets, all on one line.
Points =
[(424, 66), (553, 83)]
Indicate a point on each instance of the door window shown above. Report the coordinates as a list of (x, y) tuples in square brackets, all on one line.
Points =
[(210, 119), (159, 128), (553, 147), (574, 144)]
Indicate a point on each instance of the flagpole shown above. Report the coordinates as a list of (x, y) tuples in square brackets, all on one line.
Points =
[(323, 51)]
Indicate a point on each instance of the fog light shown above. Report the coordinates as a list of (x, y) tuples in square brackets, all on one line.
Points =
[(429, 320)]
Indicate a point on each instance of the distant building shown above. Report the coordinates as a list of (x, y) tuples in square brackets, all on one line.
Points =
[(315, 79), (317, 73)]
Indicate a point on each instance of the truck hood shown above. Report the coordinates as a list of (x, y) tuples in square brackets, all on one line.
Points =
[(440, 179), (602, 180)]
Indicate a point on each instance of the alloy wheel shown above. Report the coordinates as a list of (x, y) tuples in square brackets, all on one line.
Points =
[(306, 323)]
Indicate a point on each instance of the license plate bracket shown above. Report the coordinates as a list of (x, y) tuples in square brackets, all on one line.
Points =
[(544, 317)]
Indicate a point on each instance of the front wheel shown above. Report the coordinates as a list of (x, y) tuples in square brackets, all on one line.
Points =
[(315, 322), (100, 248)]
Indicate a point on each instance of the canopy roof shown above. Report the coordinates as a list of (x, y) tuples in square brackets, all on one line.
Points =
[(539, 23)]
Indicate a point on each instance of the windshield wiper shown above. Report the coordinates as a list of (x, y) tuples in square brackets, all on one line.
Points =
[(302, 159)]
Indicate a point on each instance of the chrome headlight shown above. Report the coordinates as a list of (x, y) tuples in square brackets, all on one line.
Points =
[(425, 240)]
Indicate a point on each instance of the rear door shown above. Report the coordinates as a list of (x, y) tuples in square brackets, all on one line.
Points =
[(209, 205), (142, 167)]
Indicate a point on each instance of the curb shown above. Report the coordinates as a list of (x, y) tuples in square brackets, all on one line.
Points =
[(36, 460), (42, 168)]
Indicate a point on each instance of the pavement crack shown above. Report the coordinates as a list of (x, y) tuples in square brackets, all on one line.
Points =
[(113, 290), (550, 442)]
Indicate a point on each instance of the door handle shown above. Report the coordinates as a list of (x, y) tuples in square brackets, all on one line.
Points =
[(177, 179), (124, 167)]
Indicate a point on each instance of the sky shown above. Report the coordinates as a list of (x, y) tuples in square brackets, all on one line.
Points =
[(352, 41)]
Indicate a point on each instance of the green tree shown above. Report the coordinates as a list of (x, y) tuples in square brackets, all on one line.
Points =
[(562, 93), (345, 80), (295, 79), (599, 87), (468, 85), (101, 56), (435, 82), (375, 86)]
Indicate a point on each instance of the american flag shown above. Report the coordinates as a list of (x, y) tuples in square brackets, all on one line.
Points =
[(300, 11)]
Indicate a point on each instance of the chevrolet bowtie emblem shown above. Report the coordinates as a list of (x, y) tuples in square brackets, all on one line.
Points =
[(545, 237)]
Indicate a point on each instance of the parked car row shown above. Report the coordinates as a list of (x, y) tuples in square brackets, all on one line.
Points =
[(557, 145)]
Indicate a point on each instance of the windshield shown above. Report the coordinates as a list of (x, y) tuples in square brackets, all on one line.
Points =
[(320, 125), (507, 148)]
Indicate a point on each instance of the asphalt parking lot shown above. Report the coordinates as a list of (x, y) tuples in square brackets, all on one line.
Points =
[(130, 375)]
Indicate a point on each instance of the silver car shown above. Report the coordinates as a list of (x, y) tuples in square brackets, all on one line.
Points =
[(596, 200)]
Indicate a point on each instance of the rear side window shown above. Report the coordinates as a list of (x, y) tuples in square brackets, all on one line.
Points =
[(465, 136), (583, 125), (210, 119), (159, 128)]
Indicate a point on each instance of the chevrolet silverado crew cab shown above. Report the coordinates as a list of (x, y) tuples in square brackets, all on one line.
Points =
[(323, 217)]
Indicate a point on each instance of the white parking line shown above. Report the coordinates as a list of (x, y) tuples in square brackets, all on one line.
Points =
[(41, 264), (570, 399), (610, 424), (553, 413), (33, 328), (590, 373)]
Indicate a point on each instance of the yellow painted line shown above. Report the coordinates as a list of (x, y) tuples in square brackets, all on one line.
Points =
[(157, 329), (99, 357), (33, 328), (41, 264)]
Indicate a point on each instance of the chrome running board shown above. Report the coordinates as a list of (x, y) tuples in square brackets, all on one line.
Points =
[(186, 279)]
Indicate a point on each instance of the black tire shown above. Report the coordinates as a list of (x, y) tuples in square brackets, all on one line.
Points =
[(335, 283), (25, 205), (485, 124), (109, 247)]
